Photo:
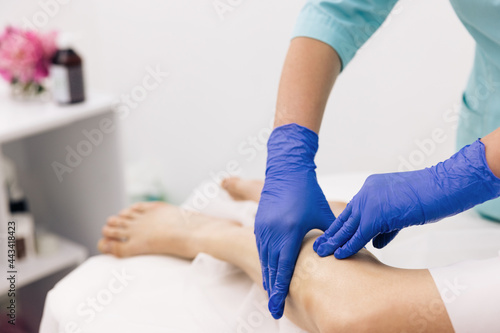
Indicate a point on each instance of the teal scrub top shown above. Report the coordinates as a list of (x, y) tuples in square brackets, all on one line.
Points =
[(347, 24)]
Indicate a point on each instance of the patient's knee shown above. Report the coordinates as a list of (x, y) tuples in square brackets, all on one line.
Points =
[(330, 291)]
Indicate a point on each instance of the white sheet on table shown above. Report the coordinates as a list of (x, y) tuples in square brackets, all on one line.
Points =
[(207, 295)]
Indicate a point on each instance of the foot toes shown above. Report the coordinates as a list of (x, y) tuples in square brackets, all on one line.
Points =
[(230, 183), (103, 246), (129, 213), (111, 246), (144, 206), (232, 186), (114, 232), (117, 221), (139, 207)]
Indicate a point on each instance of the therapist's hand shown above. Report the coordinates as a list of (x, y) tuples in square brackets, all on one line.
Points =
[(389, 202), (291, 205)]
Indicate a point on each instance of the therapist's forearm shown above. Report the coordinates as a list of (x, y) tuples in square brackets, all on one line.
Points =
[(310, 70), (492, 147)]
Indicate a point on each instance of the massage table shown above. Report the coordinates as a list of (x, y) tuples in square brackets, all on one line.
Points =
[(156, 293)]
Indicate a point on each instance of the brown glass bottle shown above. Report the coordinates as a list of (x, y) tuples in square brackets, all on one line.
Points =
[(67, 77)]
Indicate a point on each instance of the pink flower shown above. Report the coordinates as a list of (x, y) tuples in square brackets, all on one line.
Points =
[(25, 55)]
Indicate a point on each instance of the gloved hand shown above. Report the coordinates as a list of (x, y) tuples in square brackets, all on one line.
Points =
[(291, 205), (389, 202)]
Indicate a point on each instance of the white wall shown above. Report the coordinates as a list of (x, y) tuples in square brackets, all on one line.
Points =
[(223, 78)]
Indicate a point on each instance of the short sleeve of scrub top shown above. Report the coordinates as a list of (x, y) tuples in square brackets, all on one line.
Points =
[(345, 25)]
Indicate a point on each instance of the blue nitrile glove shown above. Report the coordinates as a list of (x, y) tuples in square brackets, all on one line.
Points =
[(291, 205), (389, 202)]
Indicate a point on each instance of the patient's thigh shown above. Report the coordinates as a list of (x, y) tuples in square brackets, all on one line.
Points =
[(362, 294)]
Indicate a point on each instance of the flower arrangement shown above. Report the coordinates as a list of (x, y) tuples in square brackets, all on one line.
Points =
[(25, 59)]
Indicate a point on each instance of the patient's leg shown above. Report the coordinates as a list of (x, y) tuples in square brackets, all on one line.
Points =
[(243, 189), (356, 294)]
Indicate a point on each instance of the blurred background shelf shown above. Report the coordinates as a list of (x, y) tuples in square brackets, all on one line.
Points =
[(35, 135), (21, 119), (69, 254), (74, 206)]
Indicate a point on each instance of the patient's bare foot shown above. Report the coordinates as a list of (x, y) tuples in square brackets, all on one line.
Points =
[(157, 228), (240, 189)]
